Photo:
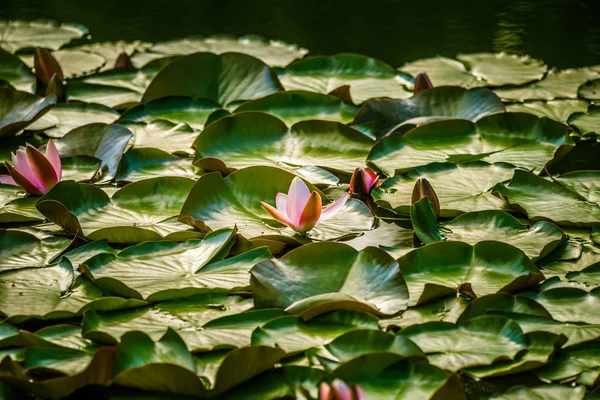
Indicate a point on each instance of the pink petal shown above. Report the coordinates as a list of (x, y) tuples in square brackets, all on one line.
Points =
[(311, 213), (7, 180), (341, 389), (277, 215), (41, 167), (359, 393), (371, 178), (54, 158), (324, 391), (22, 182), (21, 163), (281, 202), (334, 207), (297, 197)]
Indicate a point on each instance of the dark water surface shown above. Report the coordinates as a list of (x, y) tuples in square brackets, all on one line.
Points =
[(564, 33)]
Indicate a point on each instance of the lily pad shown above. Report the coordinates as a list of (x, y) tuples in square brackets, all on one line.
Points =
[(14, 207), (558, 110), (220, 78), (110, 96), (163, 135), (23, 250), (444, 71), (380, 117), (63, 118), (477, 342), (367, 77), (255, 138), (545, 392), (16, 35), (520, 139), (188, 110), (142, 211), (590, 90), (443, 268), (345, 279), (299, 105), (499, 69), (578, 363), (569, 304), (588, 122), (460, 188), (111, 50), (271, 52), (216, 202), (15, 72), (145, 163), (74, 62), (19, 109), (571, 201)]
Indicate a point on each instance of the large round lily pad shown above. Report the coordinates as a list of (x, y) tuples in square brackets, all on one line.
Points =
[(23, 250), (255, 138), (15, 35), (443, 71), (343, 278), (19, 109), (499, 69)]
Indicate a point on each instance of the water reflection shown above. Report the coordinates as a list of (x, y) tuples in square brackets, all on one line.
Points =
[(565, 33)]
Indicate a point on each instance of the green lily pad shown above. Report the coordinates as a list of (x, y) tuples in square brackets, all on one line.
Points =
[(558, 110), (127, 78), (110, 96), (179, 314), (588, 276), (20, 109), (271, 52), (220, 78), (588, 122), (545, 392), (536, 241), (15, 72), (380, 117), (189, 110), (520, 139), (255, 138), (106, 142), (293, 334), (569, 304), (499, 69), (477, 342), (560, 84), (111, 50), (443, 71), (80, 168), (442, 268), (142, 211), (114, 272), (14, 207), (578, 363), (299, 105), (63, 118), (73, 62), (572, 201), (446, 309), (346, 279), (590, 90), (163, 135), (216, 202), (503, 304), (460, 188), (23, 250), (367, 77), (25, 34), (144, 163)]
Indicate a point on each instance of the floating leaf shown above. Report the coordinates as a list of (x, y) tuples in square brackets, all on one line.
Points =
[(545, 392), (23, 250), (499, 69), (558, 110), (578, 363), (367, 280), (19, 109), (444, 72), (24, 34), (590, 90), (164, 135), (15, 72), (144, 163), (587, 122)]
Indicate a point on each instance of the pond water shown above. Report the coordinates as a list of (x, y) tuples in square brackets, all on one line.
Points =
[(564, 33)]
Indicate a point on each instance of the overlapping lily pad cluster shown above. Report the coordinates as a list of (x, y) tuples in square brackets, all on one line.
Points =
[(198, 235)]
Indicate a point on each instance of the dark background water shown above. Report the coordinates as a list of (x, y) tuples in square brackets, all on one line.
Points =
[(564, 33)]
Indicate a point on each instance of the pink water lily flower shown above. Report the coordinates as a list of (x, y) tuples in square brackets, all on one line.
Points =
[(363, 181), (300, 209), (35, 172), (339, 390)]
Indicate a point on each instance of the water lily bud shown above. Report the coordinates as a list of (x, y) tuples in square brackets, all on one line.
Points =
[(46, 66), (424, 189), (57, 88), (123, 61), (35, 172), (339, 390), (422, 82), (300, 209), (363, 181)]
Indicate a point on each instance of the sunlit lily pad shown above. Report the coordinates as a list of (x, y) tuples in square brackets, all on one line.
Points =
[(111, 50), (23, 250), (521, 139), (255, 138), (63, 118), (558, 110), (216, 202), (15, 72), (444, 72), (459, 187), (74, 62), (19, 109), (164, 135), (367, 77), (220, 78), (110, 96), (17, 35), (578, 363), (570, 304), (590, 90), (138, 164), (571, 201), (488, 267), (499, 69), (545, 392), (295, 106), (587, 122), (144, 210), (14, 207), (361, 280), (379, 117)]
